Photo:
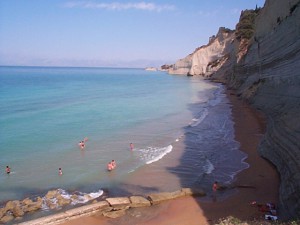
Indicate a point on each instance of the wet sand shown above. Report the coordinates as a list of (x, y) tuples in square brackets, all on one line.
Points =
[(260, 183)]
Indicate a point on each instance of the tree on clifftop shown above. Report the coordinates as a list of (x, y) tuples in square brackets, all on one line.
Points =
[(245, 27)]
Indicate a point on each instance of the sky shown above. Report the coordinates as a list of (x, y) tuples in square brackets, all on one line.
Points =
[(121, 33)]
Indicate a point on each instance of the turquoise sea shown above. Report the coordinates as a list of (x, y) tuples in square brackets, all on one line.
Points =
[(46, 111)]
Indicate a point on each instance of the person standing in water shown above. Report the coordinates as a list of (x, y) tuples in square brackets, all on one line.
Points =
[(7, 170), (113, 164), (82, 143), (60, 173), (109, 166), (131, 146), (215, 188)]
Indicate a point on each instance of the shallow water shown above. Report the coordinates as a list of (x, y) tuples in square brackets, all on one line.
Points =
[(46, 111)]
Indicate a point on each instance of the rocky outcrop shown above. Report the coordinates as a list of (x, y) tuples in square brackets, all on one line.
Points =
[(112, 207), (53, 200), (201, 62), (17, 209), (151, 69)]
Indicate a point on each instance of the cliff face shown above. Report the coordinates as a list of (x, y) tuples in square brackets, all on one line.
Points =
[(201, 61), (182, 66), (269, 77), (265, 70)]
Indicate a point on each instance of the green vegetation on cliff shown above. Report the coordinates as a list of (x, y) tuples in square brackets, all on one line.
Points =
[(246, 26)]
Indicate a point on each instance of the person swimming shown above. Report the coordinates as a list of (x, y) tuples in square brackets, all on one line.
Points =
[(131, 146), (82, 143), (109, 166), (60, 172), (7, 170), (113, 164)]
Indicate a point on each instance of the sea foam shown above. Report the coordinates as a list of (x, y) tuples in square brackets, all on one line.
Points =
[(196, 121), (80, 198), (153, 154)]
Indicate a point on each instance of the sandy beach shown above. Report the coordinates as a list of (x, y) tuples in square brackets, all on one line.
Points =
[(260, 183)]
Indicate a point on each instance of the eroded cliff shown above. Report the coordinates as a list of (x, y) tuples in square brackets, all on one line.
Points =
[(269, 77), (201, 61), (264, 68)]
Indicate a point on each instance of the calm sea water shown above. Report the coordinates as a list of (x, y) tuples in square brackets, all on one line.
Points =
[(45, 112)]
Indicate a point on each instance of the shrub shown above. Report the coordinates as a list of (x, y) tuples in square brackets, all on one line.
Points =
[(246, 25)]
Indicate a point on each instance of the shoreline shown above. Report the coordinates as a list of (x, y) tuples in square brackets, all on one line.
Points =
[(259, 182)]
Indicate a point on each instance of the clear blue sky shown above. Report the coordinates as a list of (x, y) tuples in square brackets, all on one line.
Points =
[(122, 33)]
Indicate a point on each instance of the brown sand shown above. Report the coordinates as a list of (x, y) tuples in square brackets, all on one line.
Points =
[(261, 179)]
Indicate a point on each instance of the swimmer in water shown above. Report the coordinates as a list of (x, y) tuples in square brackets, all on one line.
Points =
[(60, 172), (7, 170), (109, 166), (82, 143), (113, 164), (131, 146)]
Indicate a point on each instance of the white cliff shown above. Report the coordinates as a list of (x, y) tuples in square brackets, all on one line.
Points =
[(198, 62)]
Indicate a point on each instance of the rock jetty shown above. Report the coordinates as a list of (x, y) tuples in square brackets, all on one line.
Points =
[(110, 207)]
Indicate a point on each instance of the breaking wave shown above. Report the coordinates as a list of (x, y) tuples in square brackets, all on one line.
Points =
[(196, 121), (153, 154), (52, 202)]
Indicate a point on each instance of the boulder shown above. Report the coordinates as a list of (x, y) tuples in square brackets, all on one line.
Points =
[(51, 194), (30, 206), (119, 203), (6, 218), (9, 206), (39, 202), (27, 201), (139, 201), (74, 197), (18, 211), (52, 205), (2, 212), (61, 201)]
